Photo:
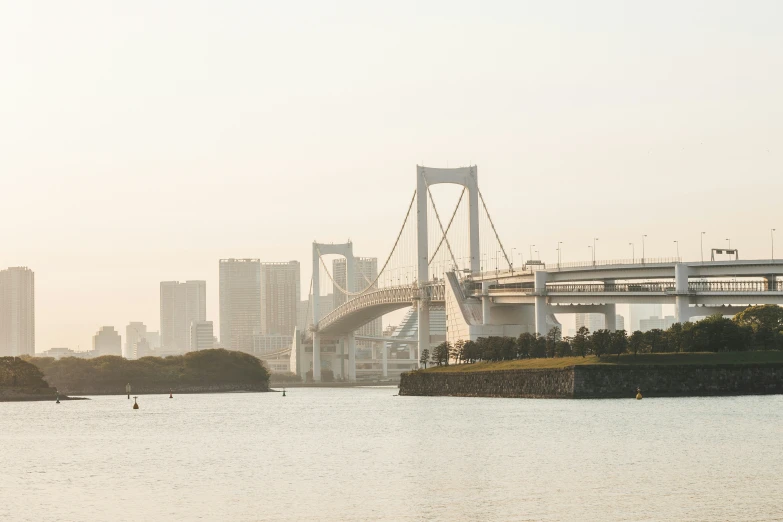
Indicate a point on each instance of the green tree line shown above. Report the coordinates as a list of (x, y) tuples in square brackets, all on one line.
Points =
[(755, 328), (109, 372)]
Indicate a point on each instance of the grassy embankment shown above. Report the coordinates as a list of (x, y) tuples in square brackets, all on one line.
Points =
[(701, 358)]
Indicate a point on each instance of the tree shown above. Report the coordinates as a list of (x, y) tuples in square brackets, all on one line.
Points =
[(507, 349), (601, 342), (763, 316), (458, 351), (636, 342), (471, 351), (441, 353), (618, 342), (425, 357), (552, 337), (654, 339), (581, 342), (525, 345), (539, 347), (563, 348)]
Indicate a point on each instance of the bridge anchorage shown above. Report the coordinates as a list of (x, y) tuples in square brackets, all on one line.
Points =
[(445, 269)]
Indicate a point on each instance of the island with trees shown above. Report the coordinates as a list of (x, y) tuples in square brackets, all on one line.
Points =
[(23, 381), (205, 371), (713, 356)]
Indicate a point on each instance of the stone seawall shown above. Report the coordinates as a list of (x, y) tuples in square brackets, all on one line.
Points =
[(599, 381), (16, 394)]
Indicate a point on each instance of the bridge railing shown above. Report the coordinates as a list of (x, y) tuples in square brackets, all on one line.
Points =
[(734, 286), (621, 287), (659, 287), (608, 262)]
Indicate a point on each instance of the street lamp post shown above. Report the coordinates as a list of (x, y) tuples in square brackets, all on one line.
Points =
[(729, 240), (531, 252), (772, 239), (512, 260), (594, 240), (643, 236), (633, 252), (678, 249), (592, 256), (701, 245), (558, 253)]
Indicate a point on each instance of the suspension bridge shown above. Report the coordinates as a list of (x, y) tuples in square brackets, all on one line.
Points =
[(439, 263)]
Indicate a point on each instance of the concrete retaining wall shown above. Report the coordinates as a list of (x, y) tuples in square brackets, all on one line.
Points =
[(600, 381)]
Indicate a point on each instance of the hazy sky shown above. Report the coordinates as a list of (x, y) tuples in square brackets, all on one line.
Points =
[(142, 141)]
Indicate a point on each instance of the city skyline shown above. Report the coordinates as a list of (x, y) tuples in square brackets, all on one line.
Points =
[(561, 113)]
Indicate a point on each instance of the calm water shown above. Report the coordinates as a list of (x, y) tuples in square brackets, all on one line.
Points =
[(363, 454)]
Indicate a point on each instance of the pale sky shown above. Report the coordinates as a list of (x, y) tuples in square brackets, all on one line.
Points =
[(142, 141)]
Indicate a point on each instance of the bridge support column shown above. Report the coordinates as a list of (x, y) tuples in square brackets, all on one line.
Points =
[(385, 359), (485, 302), (423, 329), (610, 317), (682, 300), (351, 338), (316, 357), (771, 281), (540, 303)]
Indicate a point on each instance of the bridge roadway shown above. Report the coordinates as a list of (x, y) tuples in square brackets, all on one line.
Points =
[(696, 288)]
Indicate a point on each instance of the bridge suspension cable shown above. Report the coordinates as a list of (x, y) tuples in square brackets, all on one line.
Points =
[(492, 224), (385, 264), (451, 221), (440, 223)]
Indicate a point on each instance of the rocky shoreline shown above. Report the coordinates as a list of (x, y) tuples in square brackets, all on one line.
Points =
[(600, 381)]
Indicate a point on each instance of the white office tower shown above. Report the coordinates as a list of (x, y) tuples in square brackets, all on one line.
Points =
[(280, 293), (593, 322), (637, 312), (180, 305), (142, 349), (134, 332), (201, 335), (17, 312), (240, 303), (107, 342), (619, 322), (365, 272)]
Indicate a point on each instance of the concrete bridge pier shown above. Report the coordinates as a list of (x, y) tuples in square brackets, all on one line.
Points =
[(423, 328), (485, 302), (771, 281), (682, 300), (384, 359), (610, 317), (351, 347), (316, 357), (540, 301)]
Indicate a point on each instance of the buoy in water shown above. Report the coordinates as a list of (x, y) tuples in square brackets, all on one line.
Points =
[(283, 393), (638, 394), (58, 399), (135, 404), (170, 394)]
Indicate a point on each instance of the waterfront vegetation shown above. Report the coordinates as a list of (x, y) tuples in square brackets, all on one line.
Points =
[(716, 339), (18, 373), (110, 373)]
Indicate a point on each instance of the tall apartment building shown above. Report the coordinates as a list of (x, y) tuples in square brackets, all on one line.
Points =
[(134, 332), (107, 342), (280, 292), (17, 312), (638, 312), (240, 303), (365, 272), (595, 322), (201, 335), (180, 305)]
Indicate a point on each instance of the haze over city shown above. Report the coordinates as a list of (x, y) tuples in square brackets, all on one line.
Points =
[(144, 142)]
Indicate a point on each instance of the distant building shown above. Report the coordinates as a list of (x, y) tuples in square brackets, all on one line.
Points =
[(17, 312), (180, 305), (134, 332), (201, 335), (637, 312), (265, 344), (619, 322), (153, 338), (107, 342), (280, 293), (240, 303), (656, 323), (59, 353), (593, 322), (142, 349)]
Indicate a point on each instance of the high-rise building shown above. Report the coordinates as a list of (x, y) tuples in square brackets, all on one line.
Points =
[(280, 293), (593, 322), (637, 312), (180, 305), (17, 312), (134, 332), (201, 335), (153, 339), (365, 272), (619, 322), (107, 342), (240, 303), (656, 323)]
